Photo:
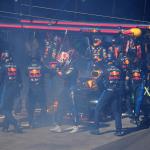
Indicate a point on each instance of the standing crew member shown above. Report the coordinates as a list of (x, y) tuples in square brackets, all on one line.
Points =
[(36, 90), (111, 78), (11, 89)]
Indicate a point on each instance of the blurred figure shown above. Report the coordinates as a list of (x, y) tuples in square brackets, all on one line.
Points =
[(146, 106), (49, 59), (12, 85), (98, 52), (125, 65), (36, 95), (137, 82), (49, 49), (114, 49), (32, 46), (67, 101), (133, 50), (111, 79)]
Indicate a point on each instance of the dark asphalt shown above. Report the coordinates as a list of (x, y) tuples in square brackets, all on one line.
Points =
[(138, 141), (42, 139)]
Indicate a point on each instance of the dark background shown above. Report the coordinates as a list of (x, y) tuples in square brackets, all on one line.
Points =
[(131, 9)]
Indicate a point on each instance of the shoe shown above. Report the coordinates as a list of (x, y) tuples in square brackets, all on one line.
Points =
[(69, 128), (74, 129), (56, 129), (95, 132), (138, 122), (145, 123), (119, 133)]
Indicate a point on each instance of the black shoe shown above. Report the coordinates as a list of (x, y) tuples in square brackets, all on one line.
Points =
[(138, 122), (95, 132), (145, 123), (119, 133)]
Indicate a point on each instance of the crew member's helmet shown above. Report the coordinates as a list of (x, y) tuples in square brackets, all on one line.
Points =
[(126, 60), (97, 42)]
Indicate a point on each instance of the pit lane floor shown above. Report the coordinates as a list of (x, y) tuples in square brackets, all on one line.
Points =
[(42, 139)]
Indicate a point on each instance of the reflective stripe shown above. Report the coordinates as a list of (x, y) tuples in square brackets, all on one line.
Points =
[(146, 91)]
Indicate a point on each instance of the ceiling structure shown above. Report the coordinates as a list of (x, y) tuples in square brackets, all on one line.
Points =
[(132, 11)]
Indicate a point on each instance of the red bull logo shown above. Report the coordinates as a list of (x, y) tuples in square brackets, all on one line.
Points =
[(114, 75), (136, 75), (52, 65), (12, 71)]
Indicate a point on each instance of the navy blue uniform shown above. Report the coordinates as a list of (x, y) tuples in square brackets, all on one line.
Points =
[(111, 78), (36, 90), (137, 82), (11, 89), (68, 94)]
